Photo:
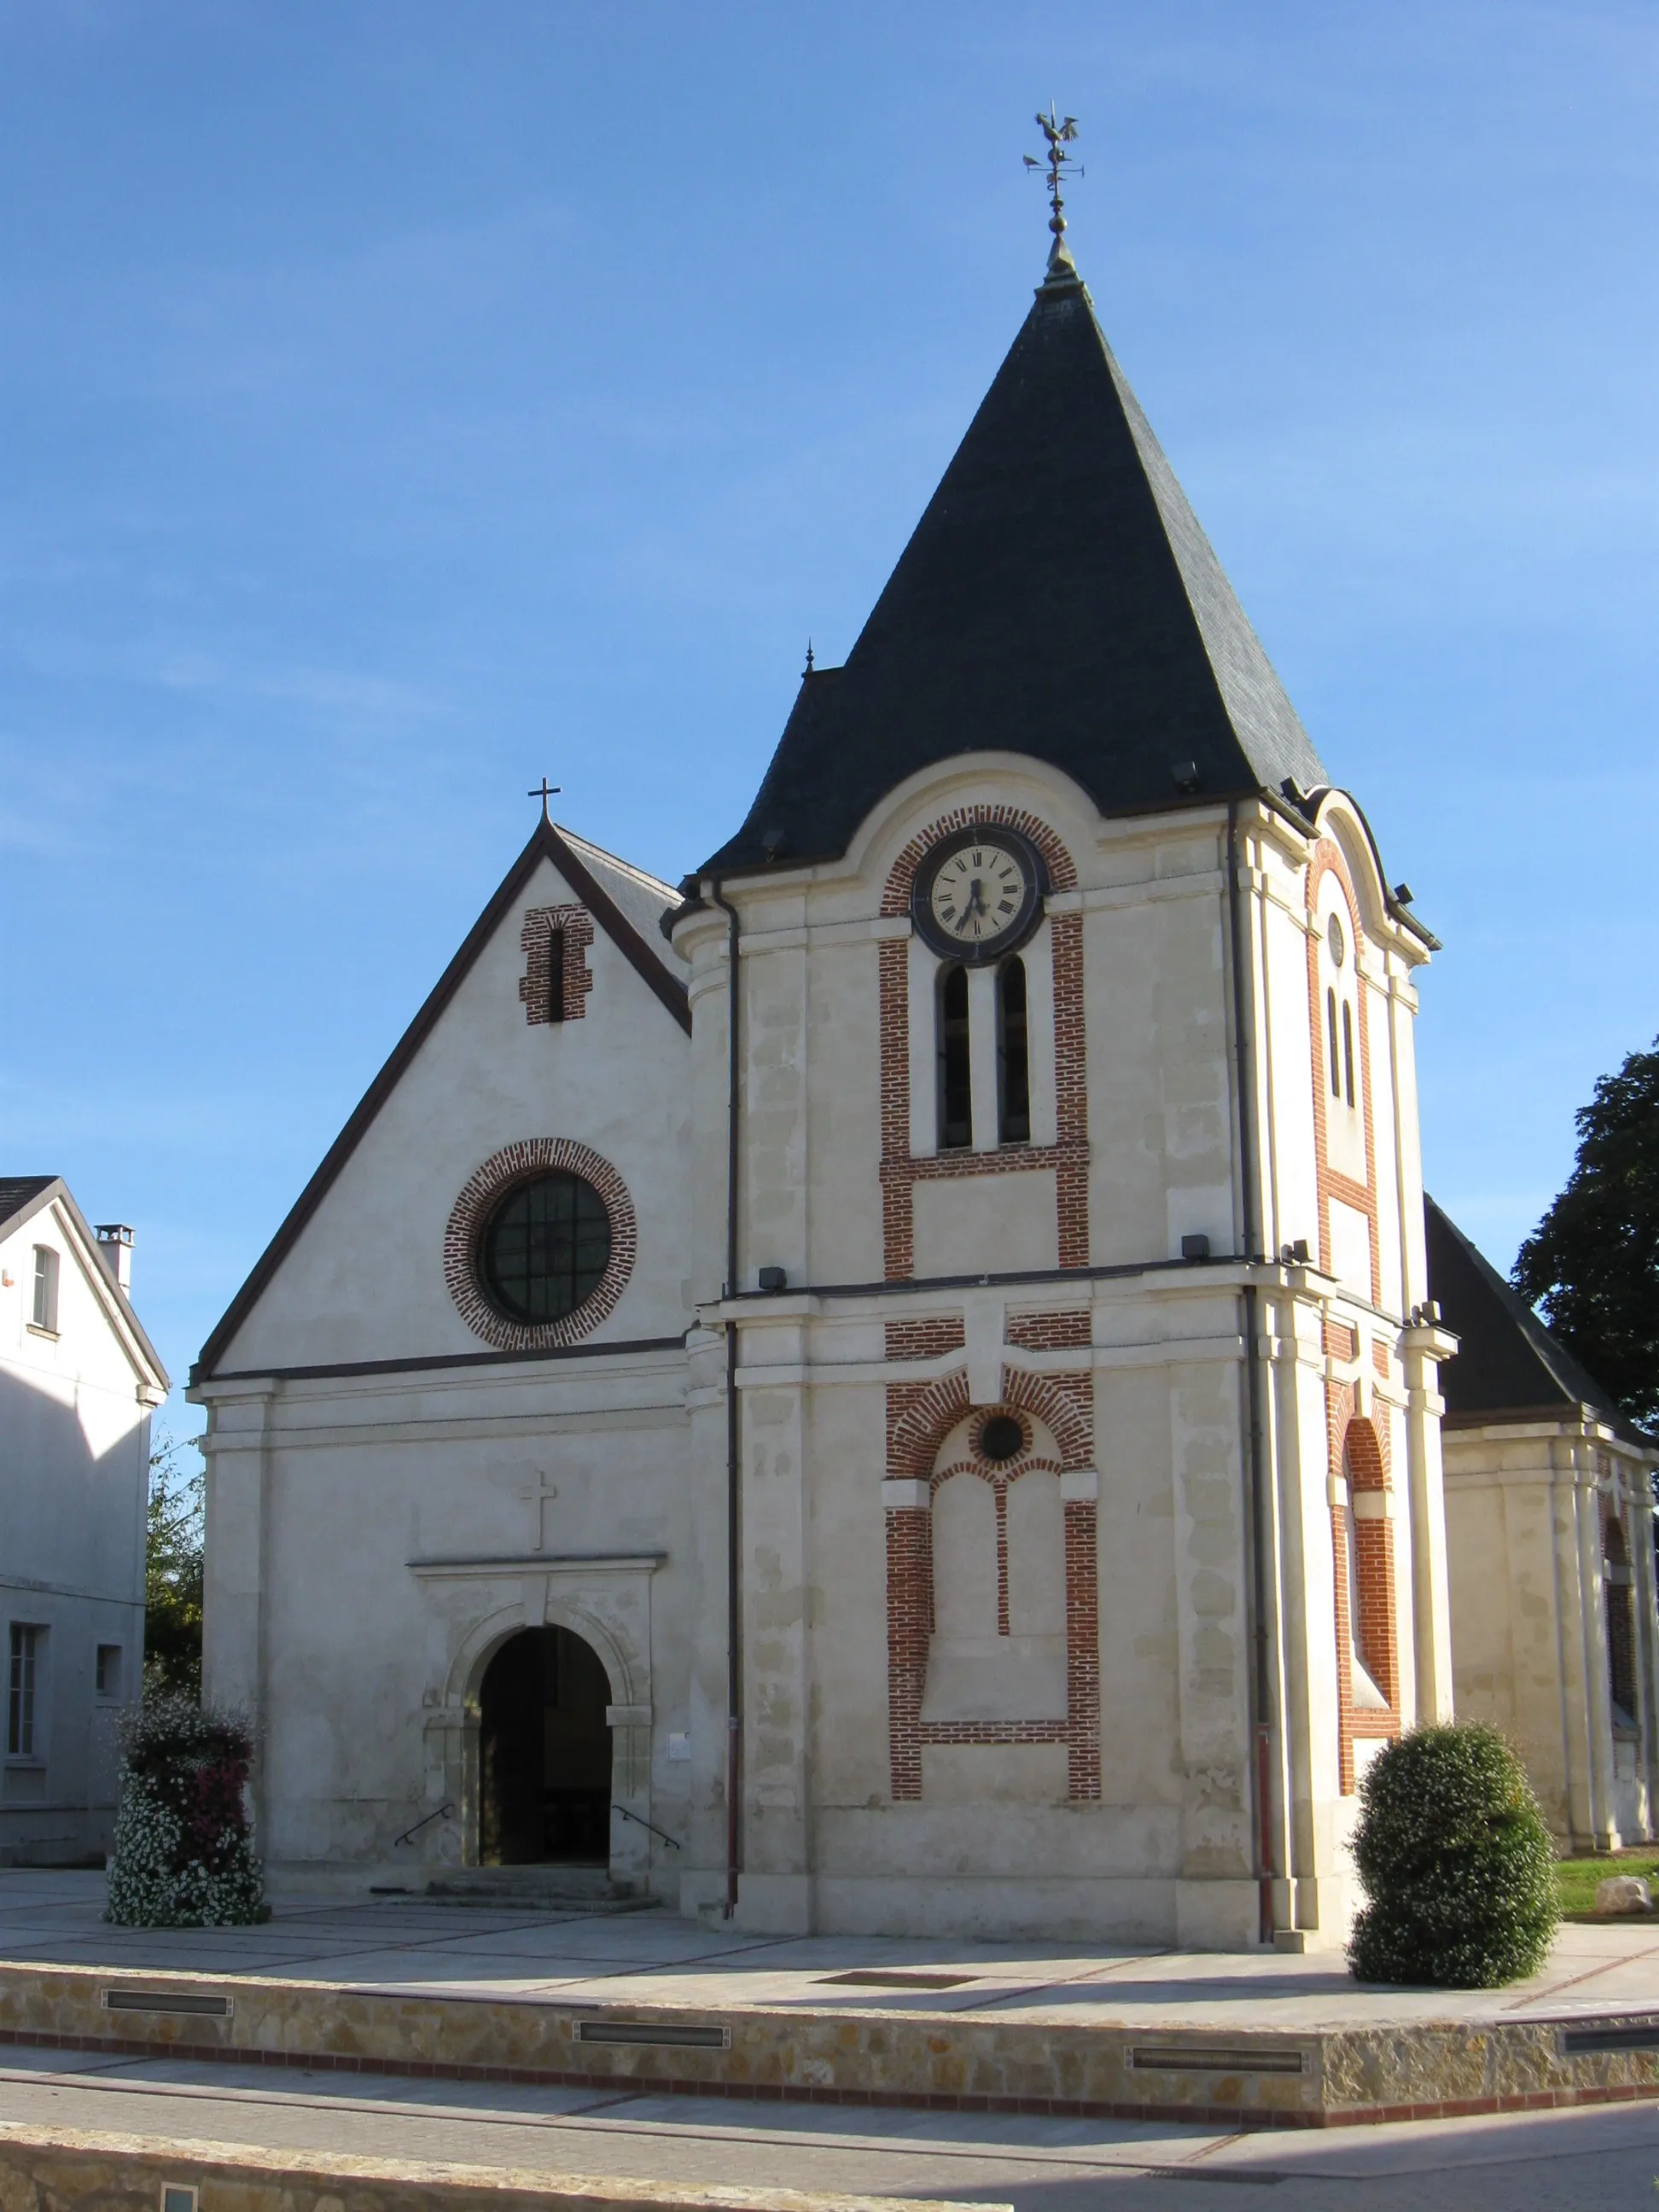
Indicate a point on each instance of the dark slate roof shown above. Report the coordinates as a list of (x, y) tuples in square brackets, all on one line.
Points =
[(1507, 1363), (17, 1191), (1058, 599)]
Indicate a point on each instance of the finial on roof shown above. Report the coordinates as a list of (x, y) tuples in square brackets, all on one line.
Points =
[(807, 671), (1061, 132)]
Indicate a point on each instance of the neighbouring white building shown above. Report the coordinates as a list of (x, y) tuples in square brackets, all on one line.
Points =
[(892, 1387), (1549, 1519), (79, 1380)]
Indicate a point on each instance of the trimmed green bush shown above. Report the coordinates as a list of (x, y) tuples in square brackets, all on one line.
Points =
[(1456, 1861), (183, 1856)]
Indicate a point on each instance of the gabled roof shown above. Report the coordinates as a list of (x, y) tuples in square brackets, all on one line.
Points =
[(611, 891), (1058, 599), (1508, 1367), (23, 1196), (17, 1191)]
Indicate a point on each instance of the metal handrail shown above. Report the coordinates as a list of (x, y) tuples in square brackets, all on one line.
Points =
[(447, 1807), (655, 1830)]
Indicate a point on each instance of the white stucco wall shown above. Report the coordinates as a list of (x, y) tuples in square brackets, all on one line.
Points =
[(75, 1428)]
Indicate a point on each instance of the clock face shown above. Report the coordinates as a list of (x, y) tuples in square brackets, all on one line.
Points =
[(978, 894)]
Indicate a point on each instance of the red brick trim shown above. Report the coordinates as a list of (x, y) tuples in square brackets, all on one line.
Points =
[(1068, 1159), (1070, 1331), (484, 1191), (1331, 1182), (897, 1212), (925, 1339), (902, 876), (541, 924), (1357, 1448), (919, 1416), (1066, 1402), (909, 1626)]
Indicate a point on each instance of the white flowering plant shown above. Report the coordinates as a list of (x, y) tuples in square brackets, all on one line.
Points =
[(183, 1856)]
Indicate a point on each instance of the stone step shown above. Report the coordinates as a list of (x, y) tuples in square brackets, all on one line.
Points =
[(537, 1888)]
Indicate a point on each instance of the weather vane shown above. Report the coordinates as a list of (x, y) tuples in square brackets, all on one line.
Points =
[(546, 791), (1059, 132)]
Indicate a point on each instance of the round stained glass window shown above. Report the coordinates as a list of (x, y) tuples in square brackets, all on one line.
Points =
[(546, 1248)]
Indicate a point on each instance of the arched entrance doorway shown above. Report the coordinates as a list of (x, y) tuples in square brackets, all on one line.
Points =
[(545, 1752)]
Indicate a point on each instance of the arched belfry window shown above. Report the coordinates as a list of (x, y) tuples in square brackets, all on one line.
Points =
[(1013, 1056), (956, 1082), (1338, 954)]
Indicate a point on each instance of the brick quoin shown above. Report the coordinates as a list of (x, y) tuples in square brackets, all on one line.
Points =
[(541, 925), (919, 1416), (484, 1191), (1067, 1158)]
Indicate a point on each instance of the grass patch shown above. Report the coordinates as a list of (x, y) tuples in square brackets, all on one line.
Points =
[(1576, 1879)]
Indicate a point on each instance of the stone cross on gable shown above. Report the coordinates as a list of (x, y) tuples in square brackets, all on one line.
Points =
[(539, 1497)]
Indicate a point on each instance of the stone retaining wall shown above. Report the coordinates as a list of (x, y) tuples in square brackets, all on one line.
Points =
[(60, 2169), (947, 2061)]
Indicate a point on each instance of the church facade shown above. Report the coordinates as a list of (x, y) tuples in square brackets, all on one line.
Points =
[(893, 1387)]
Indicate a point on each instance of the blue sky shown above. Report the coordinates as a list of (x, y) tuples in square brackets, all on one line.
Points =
[(402, 401)]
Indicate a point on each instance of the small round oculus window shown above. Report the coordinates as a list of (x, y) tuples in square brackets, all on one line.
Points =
[(1002, 1438), (1336, 938), (545, 1247)]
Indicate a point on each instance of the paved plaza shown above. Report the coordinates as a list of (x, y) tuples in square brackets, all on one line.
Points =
[(1543, 2162), (410, 1945)]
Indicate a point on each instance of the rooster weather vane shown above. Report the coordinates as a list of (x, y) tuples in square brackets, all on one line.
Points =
[(1059, 131)]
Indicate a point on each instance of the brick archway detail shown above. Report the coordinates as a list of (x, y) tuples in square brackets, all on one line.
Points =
[(919, 1417), (485, 1190), (1356, 1452)]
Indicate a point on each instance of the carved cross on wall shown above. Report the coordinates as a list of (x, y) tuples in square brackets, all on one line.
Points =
[(539, 1497)]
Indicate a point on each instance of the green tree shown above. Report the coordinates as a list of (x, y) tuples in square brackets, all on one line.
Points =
[(173, 1574), (1591, 1266)]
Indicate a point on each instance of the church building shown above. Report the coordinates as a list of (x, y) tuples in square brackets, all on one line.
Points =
[(892, 1386)]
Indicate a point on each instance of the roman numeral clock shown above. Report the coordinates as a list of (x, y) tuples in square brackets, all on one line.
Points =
[(979, 894)]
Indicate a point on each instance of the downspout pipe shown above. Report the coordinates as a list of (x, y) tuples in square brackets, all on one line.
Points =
[(733, 1426), (1261, 1679)]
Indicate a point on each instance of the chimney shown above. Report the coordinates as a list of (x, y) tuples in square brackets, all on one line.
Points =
[(115, 1249)]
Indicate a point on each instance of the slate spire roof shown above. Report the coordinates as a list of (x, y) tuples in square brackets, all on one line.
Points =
[(1058, 599)]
